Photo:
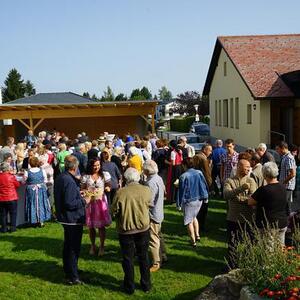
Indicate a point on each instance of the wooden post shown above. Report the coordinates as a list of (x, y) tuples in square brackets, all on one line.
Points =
[(153, 120), (31, 122)]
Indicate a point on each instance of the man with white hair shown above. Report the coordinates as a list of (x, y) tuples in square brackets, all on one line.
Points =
[(157, 187), (130, 207), (265, 156), (190, 150)]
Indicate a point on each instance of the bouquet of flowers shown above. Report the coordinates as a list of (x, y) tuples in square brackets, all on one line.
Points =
[(93, 192)]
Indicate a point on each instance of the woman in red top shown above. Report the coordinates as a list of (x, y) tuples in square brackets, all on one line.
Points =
[(8, 197), (174, 171)]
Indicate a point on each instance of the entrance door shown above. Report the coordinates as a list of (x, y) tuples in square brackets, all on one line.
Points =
[(286, 123)]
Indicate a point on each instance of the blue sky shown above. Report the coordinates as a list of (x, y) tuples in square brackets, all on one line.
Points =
[(72, 45)]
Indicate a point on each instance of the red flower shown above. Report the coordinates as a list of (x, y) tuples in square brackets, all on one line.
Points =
[(278, 276), (270, 294)]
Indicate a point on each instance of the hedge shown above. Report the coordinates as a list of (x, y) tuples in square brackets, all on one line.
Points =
[(182, 124)]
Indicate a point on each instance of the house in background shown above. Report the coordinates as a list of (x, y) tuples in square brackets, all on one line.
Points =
[(164, 111), (253, 85)]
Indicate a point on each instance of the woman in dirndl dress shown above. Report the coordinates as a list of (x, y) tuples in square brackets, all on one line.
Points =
[(96, 183), (37, 206)]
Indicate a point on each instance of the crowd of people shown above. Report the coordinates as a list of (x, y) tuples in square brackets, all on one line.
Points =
[(129, 179)]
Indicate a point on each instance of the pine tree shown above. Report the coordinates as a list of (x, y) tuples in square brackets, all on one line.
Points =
[(14, 86), (86, 95), (29, 88)]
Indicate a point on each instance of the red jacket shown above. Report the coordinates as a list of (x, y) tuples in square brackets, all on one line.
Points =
[(8, 187)]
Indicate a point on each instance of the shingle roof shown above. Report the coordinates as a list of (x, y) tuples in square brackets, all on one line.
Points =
[(261, 61), (53, 98)]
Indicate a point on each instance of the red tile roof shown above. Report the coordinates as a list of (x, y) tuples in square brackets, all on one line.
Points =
[(261, 60)]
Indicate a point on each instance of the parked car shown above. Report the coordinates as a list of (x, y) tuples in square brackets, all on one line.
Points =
[(192, 139), (201, 129)]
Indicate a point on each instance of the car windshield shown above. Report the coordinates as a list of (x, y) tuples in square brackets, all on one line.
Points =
[(192, 139)]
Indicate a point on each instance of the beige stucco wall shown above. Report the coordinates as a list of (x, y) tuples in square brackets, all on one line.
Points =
[(232, 86)]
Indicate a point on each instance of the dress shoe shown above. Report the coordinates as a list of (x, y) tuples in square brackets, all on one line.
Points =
[(155, 268), (74, 282)]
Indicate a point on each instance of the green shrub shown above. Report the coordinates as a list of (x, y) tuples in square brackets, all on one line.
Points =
[(182, 124), (206, 119)]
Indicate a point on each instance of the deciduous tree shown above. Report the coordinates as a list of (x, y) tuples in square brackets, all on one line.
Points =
[(121, 97), (185, 102), (108, 95)]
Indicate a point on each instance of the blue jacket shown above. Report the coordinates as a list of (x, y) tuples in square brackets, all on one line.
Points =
[(216, 155), (192, 187), (69, 205)]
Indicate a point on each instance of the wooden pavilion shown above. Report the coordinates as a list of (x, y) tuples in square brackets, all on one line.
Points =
[(72, 114)]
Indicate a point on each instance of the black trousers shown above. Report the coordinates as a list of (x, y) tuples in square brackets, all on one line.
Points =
[(234, 235), (138, 244), (8, 207), (71, 250), (201, 217)]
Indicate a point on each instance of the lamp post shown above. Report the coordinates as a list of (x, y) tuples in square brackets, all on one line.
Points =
[(196, 115)]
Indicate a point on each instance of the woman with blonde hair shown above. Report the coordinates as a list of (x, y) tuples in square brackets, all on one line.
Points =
[(63, 152), (20, 155)]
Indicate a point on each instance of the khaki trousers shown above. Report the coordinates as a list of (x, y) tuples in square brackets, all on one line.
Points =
[(157, 243)]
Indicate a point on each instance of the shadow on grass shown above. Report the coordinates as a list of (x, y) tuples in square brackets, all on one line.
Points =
[(53, 247), (52, 272)]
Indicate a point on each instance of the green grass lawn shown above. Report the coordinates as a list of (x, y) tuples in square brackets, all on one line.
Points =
[(31, 264)]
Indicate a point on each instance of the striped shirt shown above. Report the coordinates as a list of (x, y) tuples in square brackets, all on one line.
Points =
[(287, 163)]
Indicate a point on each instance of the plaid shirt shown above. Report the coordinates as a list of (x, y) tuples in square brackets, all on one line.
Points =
[(228, 162), (287, 163)]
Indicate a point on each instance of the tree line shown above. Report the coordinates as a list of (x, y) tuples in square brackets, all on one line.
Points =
[(15, 87), (136, 94)]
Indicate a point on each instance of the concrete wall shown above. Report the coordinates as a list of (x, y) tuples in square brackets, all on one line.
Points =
[(229, 87)]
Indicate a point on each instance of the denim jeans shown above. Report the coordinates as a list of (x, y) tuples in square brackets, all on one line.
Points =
[(8, 207), (138, 244)]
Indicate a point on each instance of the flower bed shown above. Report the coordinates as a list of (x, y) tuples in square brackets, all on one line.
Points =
[(270, 270)]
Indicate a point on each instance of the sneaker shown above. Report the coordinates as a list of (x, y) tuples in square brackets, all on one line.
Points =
[(155, 268)]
